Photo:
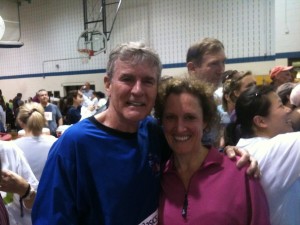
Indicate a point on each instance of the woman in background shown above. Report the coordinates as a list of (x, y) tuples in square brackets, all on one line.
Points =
[(265, 134), (34, 144), (74, 102), (232, 88), (79, 107)]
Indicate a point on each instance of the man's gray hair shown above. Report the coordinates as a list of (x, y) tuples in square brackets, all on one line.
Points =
[(133, 53)]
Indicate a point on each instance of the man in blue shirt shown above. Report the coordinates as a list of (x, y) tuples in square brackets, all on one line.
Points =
[(52, 113), (105, 169)]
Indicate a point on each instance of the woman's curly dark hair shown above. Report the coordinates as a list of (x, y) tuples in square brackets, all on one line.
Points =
[(202, 90)]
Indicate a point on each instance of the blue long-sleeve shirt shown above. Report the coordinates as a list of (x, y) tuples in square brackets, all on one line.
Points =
[(98, 175)]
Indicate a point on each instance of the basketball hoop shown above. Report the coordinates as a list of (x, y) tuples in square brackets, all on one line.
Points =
[(86, 54), (91, 42)]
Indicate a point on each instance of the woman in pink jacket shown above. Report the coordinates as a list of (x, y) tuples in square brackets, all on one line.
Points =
[(199, 184)]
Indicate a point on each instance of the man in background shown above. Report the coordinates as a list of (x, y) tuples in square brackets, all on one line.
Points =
[(206, 61), (52, 113), (16, 102), (280, 75), (86, 90)]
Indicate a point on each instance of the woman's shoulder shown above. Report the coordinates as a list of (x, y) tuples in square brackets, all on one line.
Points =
[(227, 164)]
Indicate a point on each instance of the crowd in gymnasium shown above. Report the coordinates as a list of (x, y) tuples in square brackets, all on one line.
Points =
[(208, 147)]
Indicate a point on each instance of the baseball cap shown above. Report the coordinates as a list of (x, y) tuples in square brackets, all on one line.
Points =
[(277, 69)]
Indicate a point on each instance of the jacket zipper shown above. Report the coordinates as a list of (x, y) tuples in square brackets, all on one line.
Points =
[(184, 207)]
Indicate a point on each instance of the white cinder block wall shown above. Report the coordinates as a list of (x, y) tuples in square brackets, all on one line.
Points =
[(287, 26), (257, 35)]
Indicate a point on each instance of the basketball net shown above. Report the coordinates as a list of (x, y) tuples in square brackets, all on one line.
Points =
[(86, 55)]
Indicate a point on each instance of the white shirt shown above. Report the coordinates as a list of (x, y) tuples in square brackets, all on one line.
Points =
[(13, 159), (36, 151), (85, 112), (102, 102), (279, 161), (88, 93)]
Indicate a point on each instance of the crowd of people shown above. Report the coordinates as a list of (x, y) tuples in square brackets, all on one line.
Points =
[(75, 106), (157, 150)]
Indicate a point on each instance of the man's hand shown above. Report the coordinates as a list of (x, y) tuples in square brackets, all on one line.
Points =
[(253, 169)]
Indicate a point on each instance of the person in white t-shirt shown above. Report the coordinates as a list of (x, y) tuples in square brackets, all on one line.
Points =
[(266, 131), (17, 181)]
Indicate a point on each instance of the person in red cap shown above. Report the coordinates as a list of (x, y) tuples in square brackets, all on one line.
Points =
[(281, 75)]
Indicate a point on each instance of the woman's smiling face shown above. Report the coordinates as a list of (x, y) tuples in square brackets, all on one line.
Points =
[(183, 122)]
